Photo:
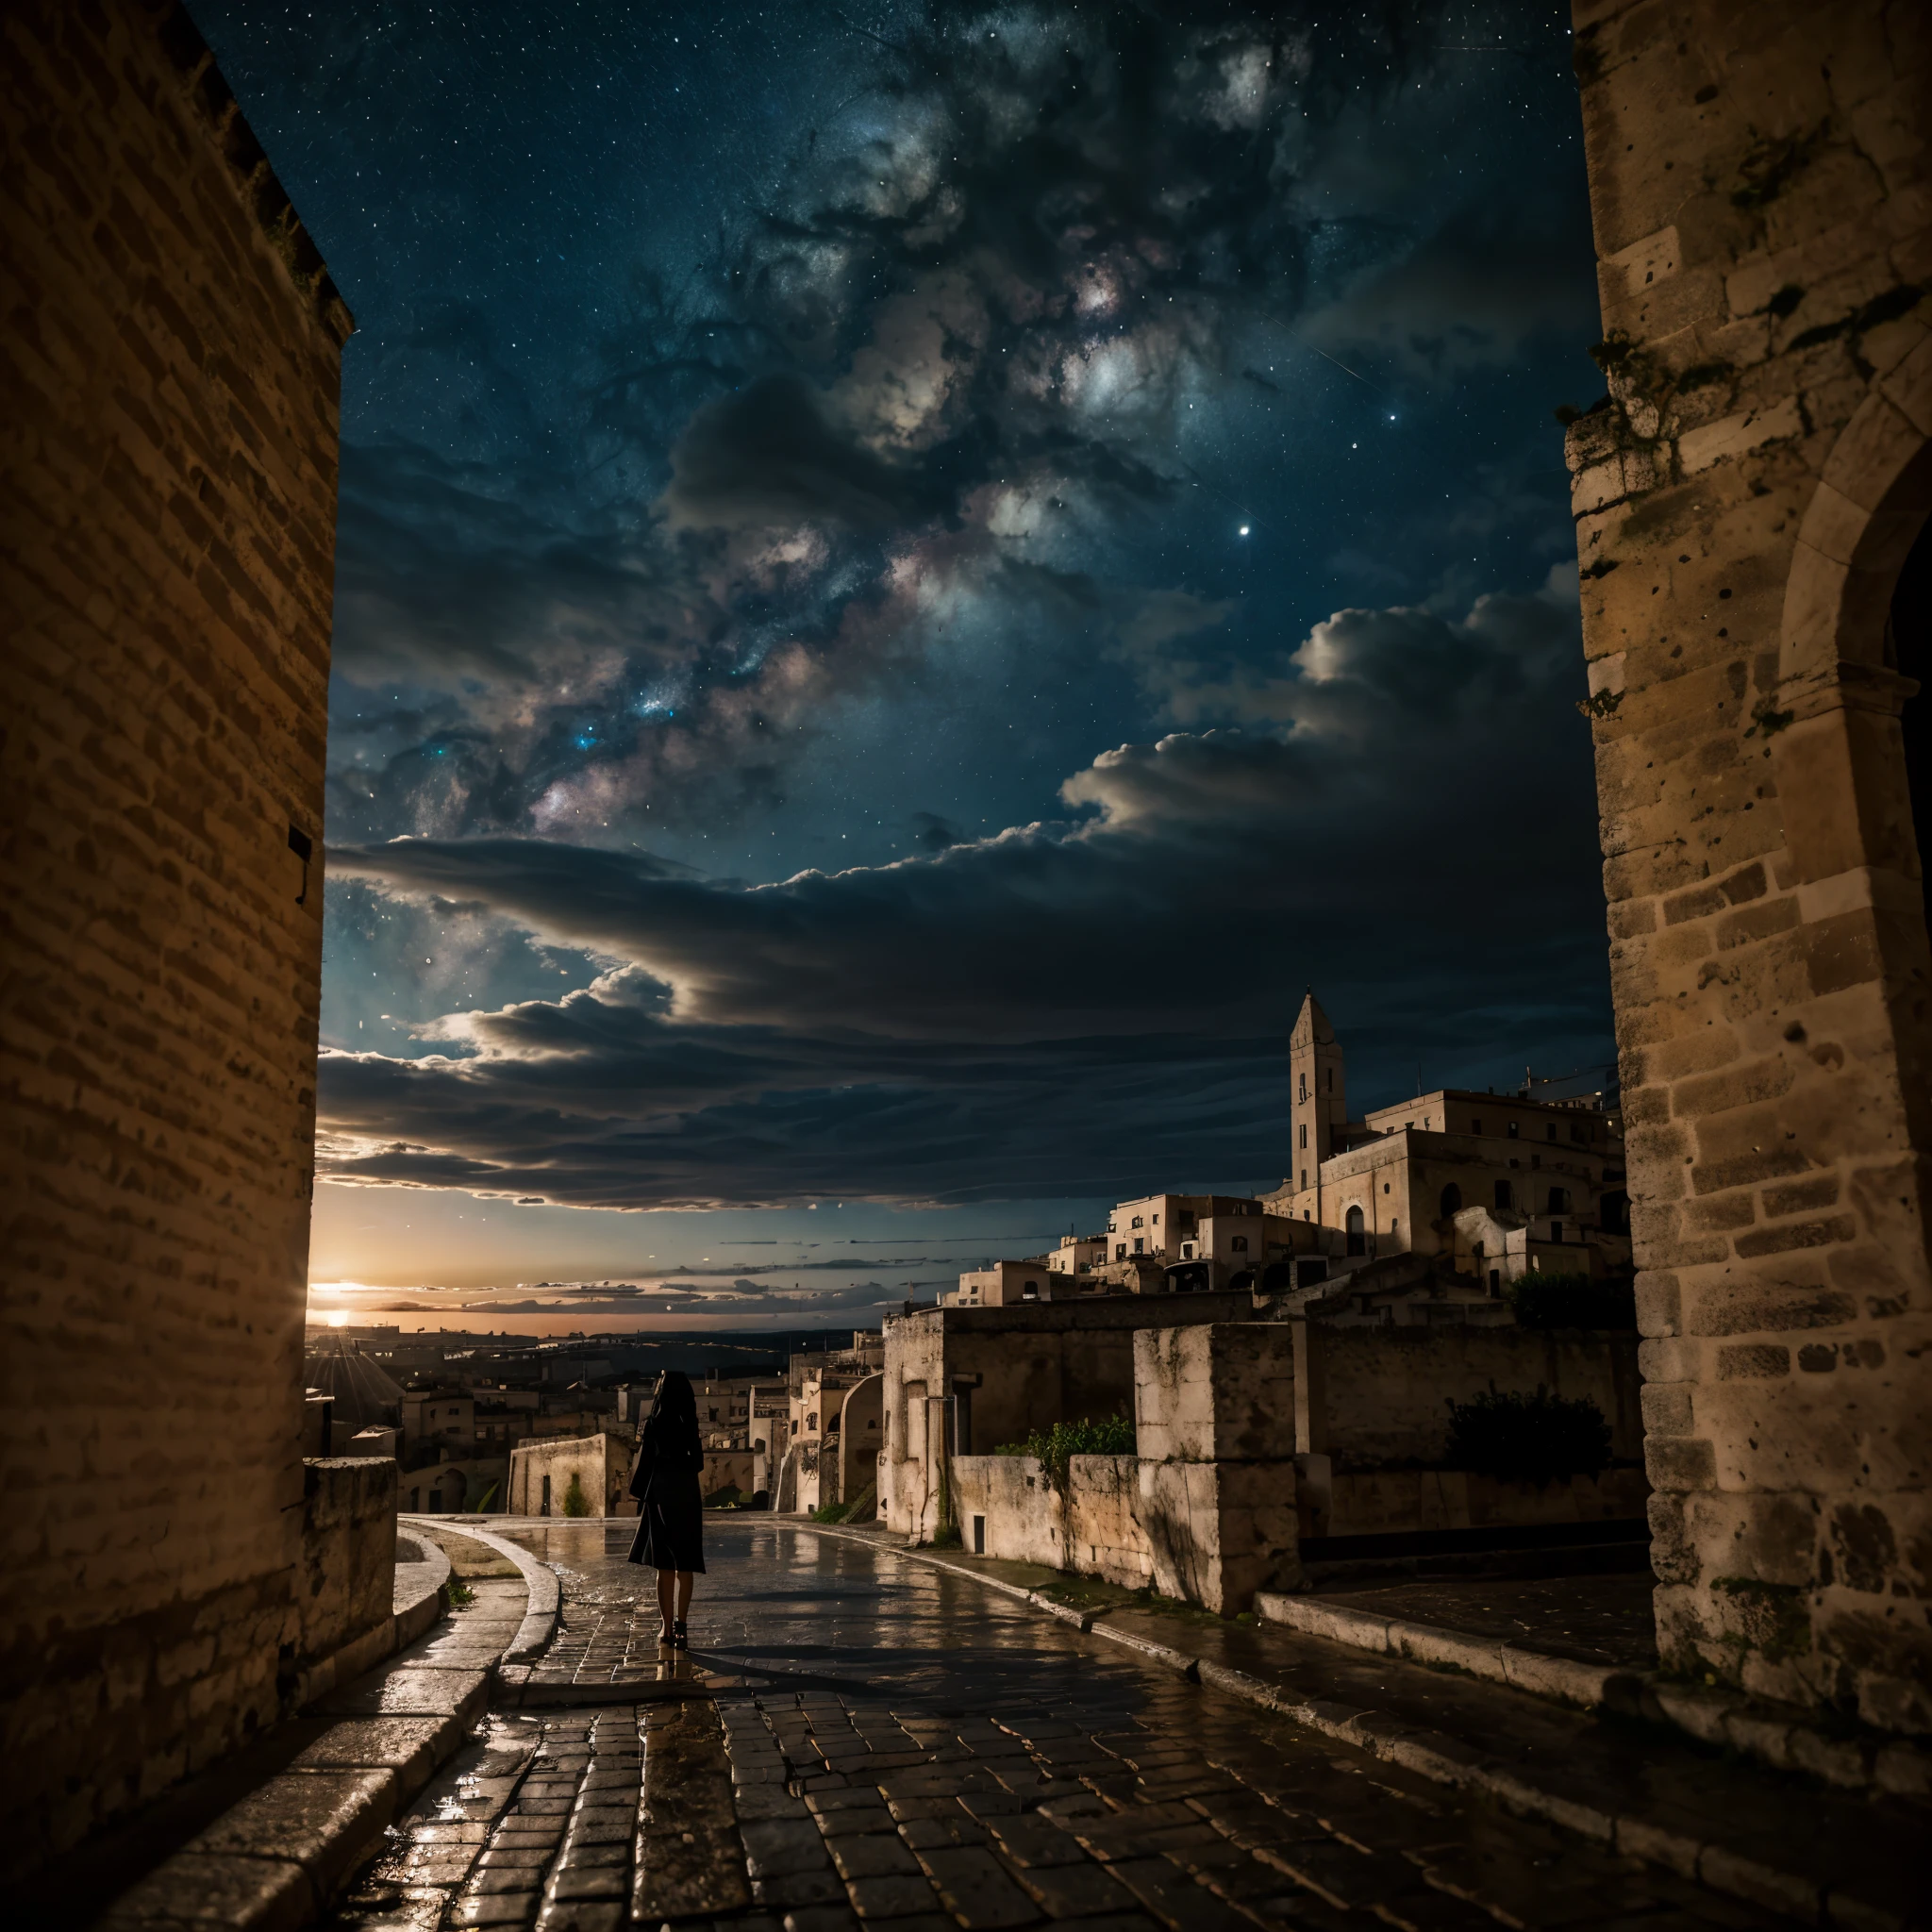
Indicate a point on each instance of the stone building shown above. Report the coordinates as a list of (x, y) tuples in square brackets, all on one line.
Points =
[(166, 498), (1550, 1174), (1750, 502)]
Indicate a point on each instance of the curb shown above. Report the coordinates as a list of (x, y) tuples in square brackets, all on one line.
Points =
[(539, 1619), (1444, 1760), (1718, 1717), (275, 1861), (1588, 1686)]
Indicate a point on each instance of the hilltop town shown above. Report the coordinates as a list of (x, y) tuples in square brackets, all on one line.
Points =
[(1215, 1395)]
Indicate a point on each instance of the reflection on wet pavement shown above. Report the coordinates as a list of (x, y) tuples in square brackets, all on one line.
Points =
[(853, 1739)]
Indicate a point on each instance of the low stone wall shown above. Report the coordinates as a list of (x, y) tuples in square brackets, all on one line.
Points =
[(1380, 1396), (1388, 1501), (1104, 1533), (347, 1581)]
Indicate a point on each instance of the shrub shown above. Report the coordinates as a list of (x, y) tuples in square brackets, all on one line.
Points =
[(1528, 1439), (575, 1502), (1054, 1448), (1572, 1301)]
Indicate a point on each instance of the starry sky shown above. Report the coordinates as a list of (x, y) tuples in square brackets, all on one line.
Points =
[(908, 576)]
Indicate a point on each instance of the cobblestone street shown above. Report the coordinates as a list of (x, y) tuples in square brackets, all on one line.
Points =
[(856, 1739)]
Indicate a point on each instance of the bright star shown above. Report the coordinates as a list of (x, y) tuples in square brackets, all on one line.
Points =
[(1244, 529)]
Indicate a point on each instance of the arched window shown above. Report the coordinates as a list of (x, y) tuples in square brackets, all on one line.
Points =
[(1451, 1202), (1239, 1244), (1357, 1234), (1303, 1093), (1506, 1196)]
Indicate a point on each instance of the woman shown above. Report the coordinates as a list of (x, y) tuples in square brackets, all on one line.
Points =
[(671, 1509)]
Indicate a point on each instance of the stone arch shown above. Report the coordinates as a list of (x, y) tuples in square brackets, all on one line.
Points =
[(1872, 496), (1837, 746)]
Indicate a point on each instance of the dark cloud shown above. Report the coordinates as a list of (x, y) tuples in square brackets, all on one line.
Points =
[(1069, 1005)]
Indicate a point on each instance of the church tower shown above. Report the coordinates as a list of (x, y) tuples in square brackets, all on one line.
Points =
[(1320, 1094)]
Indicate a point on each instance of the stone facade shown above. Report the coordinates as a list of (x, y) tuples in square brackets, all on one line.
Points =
[(1745, 499), (171, 367), (541, 1472)]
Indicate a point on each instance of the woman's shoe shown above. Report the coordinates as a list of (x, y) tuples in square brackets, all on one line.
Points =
[(667, 1639), (679, 1639)]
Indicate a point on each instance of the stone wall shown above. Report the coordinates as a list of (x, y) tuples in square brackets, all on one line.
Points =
[(1383, 1393), (346, 1584), (600, 1464), (1762, 198), (997, 1375), (167, 505)]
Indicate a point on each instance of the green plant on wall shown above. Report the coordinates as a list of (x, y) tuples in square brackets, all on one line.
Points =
[(575, 1502), (1054, 1448), (1528, 1439), (484, 1501)]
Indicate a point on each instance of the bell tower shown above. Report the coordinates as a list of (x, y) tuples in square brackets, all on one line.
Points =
[(1319, 1094)]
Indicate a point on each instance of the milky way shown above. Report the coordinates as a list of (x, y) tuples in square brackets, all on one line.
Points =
[(908, 577)]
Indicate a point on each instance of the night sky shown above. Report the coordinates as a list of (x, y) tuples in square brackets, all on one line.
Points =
[(908, 577)]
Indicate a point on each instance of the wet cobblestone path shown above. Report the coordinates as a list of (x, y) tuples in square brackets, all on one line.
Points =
[(854, 1739)]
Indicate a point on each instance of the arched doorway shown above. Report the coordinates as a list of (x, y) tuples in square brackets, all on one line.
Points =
[(1449, 1203), (1356, 1232)]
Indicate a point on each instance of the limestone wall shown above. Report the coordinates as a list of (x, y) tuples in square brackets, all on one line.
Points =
[(1762, 198), (1384, 1502), (346, 1584), (167, 503), (1384, 1392), (994, 1375), (1212, 1392), (600, 1463)]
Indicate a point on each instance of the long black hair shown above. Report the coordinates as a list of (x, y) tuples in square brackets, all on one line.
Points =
[(674, 1419)]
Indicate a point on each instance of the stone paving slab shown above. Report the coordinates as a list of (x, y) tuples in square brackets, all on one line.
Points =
[(875, 1743), (207, 1890), (1642, 1789)]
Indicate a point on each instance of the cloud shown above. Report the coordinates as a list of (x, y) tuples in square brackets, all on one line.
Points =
[(1052, 1008), (940, 366)]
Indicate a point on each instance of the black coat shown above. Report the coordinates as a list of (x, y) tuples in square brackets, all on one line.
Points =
[(671, 1506)]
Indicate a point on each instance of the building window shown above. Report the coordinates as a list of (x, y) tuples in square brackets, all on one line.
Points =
[(811, 1423), (1187, 1251), (794, 1421), (1553, 1131), (1031, 1292), (1305, 1138), (1120, 1253), (1385, 1187), (1559, 1202), (1331, 1080), (1305, 1183), (1137, 1221), (1303, 1094), (1140, 1245), (1153, 1220), (1506, 1196), (1556, 1230), (1451, 1202), (1495, 1281), (1475, 1126), (1391, 1230), (1511, 1130), (1356, 1232), (544, 1508), (1239, 1244)]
